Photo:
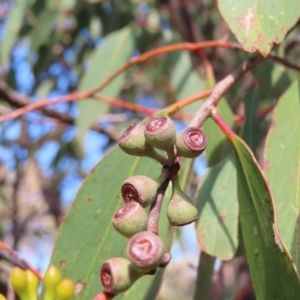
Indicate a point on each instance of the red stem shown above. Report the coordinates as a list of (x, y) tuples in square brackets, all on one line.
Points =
[(222, 124), (17, 260), (136, 60)]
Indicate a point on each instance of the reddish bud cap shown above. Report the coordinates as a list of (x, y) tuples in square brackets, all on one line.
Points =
[(191, 142), (145, 250), (117, 275), (160, 132), (141, 189)]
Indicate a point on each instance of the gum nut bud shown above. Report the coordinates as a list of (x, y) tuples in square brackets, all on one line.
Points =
[(130, 219), (133, 140), (2, 297), (51, 279), (145, 250), (181, 210), (190, 142), (117, 275), (141, 189), (32, 284), (18, 281), (65, 289), (160, 132)]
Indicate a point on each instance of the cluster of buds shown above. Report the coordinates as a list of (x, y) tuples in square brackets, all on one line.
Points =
[(145, 250), (25, 284)]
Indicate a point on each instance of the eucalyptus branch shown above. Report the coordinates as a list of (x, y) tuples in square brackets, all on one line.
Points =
[(136, 60), (220, 89), (153, 218), (20, 101), (7, 253)]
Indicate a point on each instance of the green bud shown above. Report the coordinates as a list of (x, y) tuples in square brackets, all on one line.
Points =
[(133, 142), (51, 279), (117, 275), (32, 285), (181, 210), (130, 219), (65, 289), (18, 281), (160, 132), (142, 189)]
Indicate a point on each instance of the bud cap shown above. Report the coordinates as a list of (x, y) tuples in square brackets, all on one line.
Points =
[(145, 250), (191, 142), (117, 275), (141, 189), (160, 132)]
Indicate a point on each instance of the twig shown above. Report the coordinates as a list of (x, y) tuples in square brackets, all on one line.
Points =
[(284, 62), (172, 109), (13, 257), (153, 218), (125, 104), (20, 101), (220, 89), (136, 60), (259, 114)]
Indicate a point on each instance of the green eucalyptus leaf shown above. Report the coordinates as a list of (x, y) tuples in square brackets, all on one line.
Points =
[(104, 61), (217, 226), (282, 167), (13, 26), (43, 29), (87, 238), (272, 269), (259, 25)]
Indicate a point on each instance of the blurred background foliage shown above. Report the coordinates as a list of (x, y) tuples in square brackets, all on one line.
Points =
[(52, 48)]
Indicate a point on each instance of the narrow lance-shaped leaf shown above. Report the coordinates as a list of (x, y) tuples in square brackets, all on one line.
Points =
[(282, 167), (87, 237), (43, 29), (13, 26), (217, 226), (272, 269), (259, 25), (104, 61)]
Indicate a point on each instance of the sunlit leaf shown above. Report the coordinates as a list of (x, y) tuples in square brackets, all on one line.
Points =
[(12, 28), (43, 29), (266, 254), (105, 60), (282, 167), (87, 237), (217, 226), (259, 25)]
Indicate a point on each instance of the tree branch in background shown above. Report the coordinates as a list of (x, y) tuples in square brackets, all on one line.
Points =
[(220, 89), (13, 257), (18, 100), (133, 61)]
